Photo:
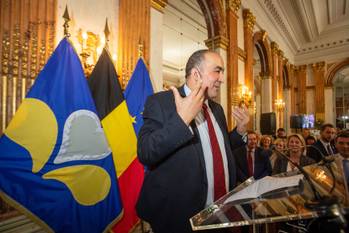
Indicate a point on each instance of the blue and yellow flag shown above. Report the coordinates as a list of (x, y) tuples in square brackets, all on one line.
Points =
[(55, 162), (137, 91)]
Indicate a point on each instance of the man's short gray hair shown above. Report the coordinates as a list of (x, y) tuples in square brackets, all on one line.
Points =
[(195, 60)]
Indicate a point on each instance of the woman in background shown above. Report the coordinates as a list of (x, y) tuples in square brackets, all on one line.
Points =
[(280, 145), (266, 141), (296, 153)]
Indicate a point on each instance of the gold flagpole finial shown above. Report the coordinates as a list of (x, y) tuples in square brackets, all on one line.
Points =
[(140, 48), (66, 22), (106, 31)]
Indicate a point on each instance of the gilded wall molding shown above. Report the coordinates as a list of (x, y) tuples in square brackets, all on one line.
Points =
[(241, 54), (319, 66), (234, 5), (301, 68), (274, 47), (159, 5), (217, 42), (27, 36), (249, 19)]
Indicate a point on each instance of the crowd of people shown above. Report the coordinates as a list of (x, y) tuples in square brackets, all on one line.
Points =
[(303, 149), (192, 159)]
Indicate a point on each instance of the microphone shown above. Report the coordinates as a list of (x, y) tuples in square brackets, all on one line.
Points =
[(316, 194), (320, 203)]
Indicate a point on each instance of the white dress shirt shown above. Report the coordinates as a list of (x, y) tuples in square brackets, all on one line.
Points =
[(206, 147)]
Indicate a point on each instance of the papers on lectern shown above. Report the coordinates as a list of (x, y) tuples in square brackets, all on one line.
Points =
[(265, 185)]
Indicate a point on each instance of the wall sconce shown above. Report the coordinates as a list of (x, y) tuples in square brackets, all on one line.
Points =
[(91, 47), (242, 96), (280, 105)]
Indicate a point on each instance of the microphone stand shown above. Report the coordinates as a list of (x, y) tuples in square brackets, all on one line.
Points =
[(316, 194), (319, 202)]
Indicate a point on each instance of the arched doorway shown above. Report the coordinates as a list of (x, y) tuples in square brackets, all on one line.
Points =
[(262, 78), (341, 97), (337, 87)]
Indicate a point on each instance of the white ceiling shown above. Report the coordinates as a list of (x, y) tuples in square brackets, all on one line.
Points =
[(306, 30)]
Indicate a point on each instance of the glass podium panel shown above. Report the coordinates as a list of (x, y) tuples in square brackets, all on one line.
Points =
[(276, 199)]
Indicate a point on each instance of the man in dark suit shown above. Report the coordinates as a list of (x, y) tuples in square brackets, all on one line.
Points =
[(183, 142), (342, 146), (323, 146), (252, 160)]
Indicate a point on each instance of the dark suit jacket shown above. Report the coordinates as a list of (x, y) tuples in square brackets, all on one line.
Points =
[(280, 165), (175, 185), (315, 154), (262, 166)]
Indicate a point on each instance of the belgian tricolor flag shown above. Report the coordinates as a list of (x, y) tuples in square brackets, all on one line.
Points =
[(117, 124)]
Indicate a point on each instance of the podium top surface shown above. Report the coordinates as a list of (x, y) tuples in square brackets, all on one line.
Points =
[(276, 199)]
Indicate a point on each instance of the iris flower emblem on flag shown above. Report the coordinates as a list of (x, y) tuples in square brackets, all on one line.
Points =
[(55, 161)]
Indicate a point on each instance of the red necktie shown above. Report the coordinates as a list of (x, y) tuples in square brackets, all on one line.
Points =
[(250, 163), (218, 169)]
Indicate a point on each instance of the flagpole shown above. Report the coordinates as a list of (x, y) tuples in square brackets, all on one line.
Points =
[(106, 33), (66, 22), (140, 49)]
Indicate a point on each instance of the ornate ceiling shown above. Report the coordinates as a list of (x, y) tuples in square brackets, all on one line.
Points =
[(308, 30)]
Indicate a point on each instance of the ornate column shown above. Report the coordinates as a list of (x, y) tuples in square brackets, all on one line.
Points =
[(280, 88), (301, 77), (233, 51), (319, 74), (156, 36), (249, 22), (280, 74), (292, 82), (134, 30), (27, 38), (220, 45), (274, 74), (330, 110), (289, 96), (266, 94)]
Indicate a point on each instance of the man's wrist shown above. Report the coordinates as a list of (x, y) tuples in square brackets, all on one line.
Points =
[(241, 130)]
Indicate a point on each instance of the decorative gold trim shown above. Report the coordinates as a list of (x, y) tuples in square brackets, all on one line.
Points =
[(301, 68), (265, 77), (234, 5), (241, 54), (292, 67), (4, 91), (319, 66), (24, 84), (159, 5), (217, 42), (249, 19), (264, 35), (274, 47), (14, 95)]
